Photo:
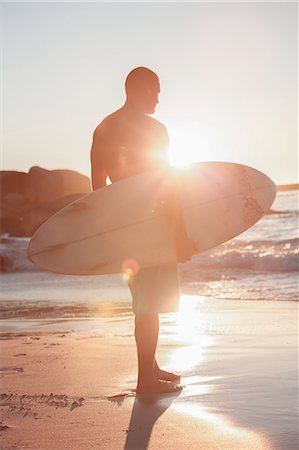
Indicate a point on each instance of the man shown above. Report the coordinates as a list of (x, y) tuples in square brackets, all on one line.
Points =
[(126, 143)]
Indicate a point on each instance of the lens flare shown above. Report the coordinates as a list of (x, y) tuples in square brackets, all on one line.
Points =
[(130, 268), (105, 310)]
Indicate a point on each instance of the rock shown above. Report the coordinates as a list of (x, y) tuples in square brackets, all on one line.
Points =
[(11, 220), (28, 199), (13, 181), (36, 216), (5, 263), (43, 186), (73, 182), (15, 202), (49, 185)]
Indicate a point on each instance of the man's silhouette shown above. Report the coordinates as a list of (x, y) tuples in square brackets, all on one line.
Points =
[(126, 143)]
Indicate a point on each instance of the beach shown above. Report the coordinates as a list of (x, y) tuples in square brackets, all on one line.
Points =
[(137, 134), (68, 360), (70, 383)]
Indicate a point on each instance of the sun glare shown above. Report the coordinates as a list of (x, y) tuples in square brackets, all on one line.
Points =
[(188, 318), (191, 141), (189, 335)]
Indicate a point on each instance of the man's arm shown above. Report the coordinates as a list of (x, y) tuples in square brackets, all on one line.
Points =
[(98, 173)]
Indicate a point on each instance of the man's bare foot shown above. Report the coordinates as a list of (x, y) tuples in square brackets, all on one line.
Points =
[(157, 387), (166, 376)]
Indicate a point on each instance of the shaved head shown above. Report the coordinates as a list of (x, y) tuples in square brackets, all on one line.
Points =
[(139, 79), (142, 89)]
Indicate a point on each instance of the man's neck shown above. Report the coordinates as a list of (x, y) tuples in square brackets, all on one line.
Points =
[(132, 109)]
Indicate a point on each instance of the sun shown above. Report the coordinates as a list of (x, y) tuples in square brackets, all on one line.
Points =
[(192, 140)]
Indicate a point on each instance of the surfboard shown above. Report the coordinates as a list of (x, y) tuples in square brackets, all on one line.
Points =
[(123, 226)]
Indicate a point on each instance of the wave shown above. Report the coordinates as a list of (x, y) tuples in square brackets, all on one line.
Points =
[(13, 254), (236, 257), (229, 259)]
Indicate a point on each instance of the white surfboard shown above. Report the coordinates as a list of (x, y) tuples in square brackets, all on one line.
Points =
[(125, 223)]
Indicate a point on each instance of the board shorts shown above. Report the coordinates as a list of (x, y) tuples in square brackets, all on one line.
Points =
[(155, 289)]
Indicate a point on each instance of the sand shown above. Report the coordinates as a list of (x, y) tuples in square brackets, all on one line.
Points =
[(69, 384)]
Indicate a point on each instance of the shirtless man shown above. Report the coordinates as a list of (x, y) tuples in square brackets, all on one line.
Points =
[(129, 142)]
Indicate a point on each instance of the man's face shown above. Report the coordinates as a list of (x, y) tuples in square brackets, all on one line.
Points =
[(148, 98), (153, 97)]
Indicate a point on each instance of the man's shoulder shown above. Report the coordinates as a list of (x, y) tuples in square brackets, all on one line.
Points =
[(155, 122), (107, 122), (156, 125), (120, 119)]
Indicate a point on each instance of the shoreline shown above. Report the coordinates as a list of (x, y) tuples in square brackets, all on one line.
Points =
[(119, 312), (238, 362), (22, 314)]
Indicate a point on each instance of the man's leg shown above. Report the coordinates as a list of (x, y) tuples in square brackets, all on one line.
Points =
[(146, 336)]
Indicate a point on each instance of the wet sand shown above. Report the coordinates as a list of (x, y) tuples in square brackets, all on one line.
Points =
[(69, 384)]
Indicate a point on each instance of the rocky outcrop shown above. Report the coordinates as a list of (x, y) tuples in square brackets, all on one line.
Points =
[(28, 199)]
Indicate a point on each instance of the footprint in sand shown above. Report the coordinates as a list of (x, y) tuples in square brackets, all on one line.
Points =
[(77, 403), (26, 405), (50, 345), (9, 370)]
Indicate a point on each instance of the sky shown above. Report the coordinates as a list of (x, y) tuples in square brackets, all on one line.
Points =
[(228, 74)]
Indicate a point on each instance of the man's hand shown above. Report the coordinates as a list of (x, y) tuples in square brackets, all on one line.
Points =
[(185, 248)]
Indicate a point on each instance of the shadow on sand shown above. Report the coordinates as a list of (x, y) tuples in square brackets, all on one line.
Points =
[(146, 411)]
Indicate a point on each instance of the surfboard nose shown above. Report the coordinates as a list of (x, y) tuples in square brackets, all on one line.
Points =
[(264, 188)]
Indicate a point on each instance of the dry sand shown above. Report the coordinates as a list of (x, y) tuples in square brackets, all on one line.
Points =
[(70, 384)]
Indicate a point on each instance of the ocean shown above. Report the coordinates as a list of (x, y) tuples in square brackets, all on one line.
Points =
[(260, 264)]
